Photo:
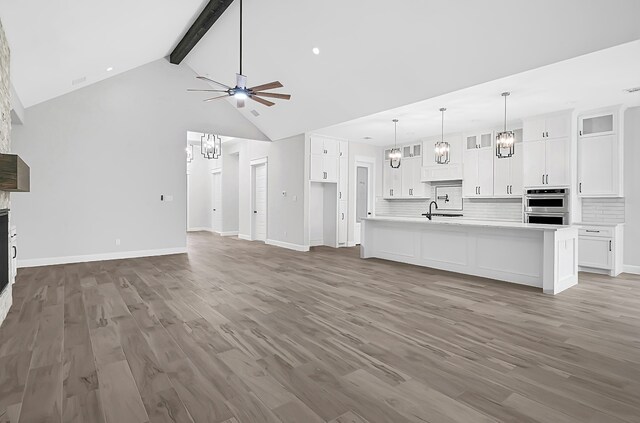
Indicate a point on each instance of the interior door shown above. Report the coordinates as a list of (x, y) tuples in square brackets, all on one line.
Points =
[(363, 199), (260, 203), (216, 202)]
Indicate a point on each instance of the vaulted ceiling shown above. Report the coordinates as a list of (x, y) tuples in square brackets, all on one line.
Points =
[(375, 55), (56, 42)]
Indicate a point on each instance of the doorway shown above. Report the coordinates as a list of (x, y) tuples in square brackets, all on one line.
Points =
[(216, 201), (364, 197), (259, 199)]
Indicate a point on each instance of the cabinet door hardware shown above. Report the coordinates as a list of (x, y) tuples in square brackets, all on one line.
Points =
[(547, 179), (593, 231), (543, 179), (255, 212), (609, 245), (581, 133), (15, 251), (580, 187), (342, 216)]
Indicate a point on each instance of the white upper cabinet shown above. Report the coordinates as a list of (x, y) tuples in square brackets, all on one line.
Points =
[(324, 159), (478, 165), (546, 147), (432, 171), (507, 172), (404, 182), (600, 161)]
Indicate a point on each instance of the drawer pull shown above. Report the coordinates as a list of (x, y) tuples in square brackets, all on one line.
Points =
[(592, 231)]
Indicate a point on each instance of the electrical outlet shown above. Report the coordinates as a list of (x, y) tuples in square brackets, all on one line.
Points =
[(117, 241), (284, 193)]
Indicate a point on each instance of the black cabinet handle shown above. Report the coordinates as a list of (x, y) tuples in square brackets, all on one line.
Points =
[(15, 251), (547, 179), (255, 211), (342, 216), (609, 245), (592, 231), (580, 187)]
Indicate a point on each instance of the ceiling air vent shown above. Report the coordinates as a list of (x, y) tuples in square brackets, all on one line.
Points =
[(255, 113), (632, 90), (79, 80)]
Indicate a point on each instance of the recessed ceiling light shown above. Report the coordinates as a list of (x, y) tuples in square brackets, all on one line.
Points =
[(367, 138), (109, 69), (316, 51)]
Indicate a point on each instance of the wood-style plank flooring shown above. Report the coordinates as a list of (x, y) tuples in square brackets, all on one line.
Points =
[(241, 332)]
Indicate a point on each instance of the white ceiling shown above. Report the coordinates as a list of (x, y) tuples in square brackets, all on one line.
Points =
[(582, 83), (54, 42), (376, 55)]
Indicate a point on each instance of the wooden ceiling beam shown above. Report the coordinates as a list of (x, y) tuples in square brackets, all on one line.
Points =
[(201, 25)]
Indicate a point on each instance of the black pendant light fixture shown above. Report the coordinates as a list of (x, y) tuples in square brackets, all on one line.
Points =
[(210, 146), (395, 155), (505, 140), (442, 148)]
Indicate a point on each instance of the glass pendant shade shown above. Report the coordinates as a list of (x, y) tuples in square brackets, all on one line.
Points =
[(395, 155), (189, 153), (210, 146), (442, 148), (505, 144), (505, 140)]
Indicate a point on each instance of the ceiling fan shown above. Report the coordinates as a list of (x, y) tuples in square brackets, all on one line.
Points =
[(240, 91)]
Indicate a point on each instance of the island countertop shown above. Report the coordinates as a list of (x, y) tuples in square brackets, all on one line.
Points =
[(468, 222)]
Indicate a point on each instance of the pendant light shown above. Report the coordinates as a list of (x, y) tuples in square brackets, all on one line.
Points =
[(442, 147), (505, 141), (210, 146), (395, 155)]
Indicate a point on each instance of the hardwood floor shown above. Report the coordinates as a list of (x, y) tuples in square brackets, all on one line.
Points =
[(240, 332)]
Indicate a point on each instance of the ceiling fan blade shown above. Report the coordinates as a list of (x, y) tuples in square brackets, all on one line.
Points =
[(241, 81), (213, 91), (275, 95), (240, 102), (215, 98), (261, 100), (204, 78), (269, 86)]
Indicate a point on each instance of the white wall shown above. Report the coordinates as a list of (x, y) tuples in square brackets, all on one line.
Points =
[(101, 157), (632, 189), (200, 192), (230, 192)]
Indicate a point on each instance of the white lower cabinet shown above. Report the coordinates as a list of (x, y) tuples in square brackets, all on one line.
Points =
[(600, 248)]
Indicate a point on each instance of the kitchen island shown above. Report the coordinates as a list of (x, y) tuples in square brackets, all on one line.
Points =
[(543, 256)]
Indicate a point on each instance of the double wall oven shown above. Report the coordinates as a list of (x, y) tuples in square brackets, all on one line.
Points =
[(547, 206)]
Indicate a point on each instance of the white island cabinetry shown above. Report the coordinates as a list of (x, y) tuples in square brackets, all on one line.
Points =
[(543, 256)]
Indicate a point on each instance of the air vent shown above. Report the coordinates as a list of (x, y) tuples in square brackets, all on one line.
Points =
[(255, 113), (367, 138), (632, 90), (79, 80)]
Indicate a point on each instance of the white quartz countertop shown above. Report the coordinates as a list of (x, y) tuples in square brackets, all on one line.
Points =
[(604, 224), (457, 221)]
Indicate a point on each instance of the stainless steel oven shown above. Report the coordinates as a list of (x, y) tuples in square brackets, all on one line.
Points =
[(547, 206)]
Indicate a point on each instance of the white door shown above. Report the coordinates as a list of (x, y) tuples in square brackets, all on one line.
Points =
[(364, 197), (216, 202), (595, 252), (535, 163), (260, 203), (557, 161), (596, 162)]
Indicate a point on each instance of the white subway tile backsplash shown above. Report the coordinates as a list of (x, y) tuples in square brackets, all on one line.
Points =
[(482, 209), (603, 210)]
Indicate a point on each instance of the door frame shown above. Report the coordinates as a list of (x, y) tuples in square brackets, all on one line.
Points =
[(370, 164), (213, 173), (253, 164)]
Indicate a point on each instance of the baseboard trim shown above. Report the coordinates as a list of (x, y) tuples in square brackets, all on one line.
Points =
[(628, 268), (351, 244), (198, 229), (99, 257), (228, 233), (245, 237), (287, 245)]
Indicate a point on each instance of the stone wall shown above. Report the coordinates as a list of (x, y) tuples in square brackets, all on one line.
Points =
[(5, 144)]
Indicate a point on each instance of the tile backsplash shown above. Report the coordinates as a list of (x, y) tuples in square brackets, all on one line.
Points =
[(508, 209), (603, 210)]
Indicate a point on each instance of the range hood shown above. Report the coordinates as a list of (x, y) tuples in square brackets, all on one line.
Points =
[(14, 174)]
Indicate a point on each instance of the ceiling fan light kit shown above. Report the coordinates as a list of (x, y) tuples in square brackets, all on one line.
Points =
[(240, 92)]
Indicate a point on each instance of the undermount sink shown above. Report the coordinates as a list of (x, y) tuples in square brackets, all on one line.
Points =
[(442, 214)]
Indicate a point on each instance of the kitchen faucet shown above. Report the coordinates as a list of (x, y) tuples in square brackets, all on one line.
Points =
[(430, 215)]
